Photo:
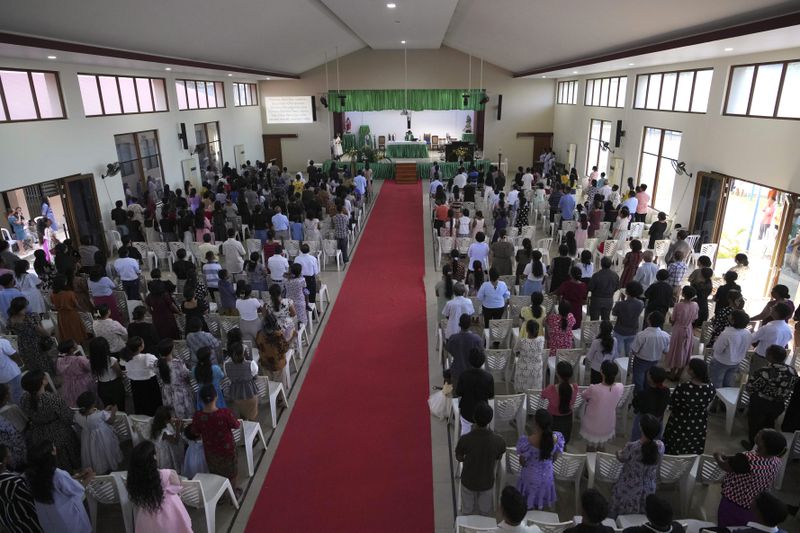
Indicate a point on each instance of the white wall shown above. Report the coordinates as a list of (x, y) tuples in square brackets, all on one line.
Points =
[(433, 122), (759, 150), (527, 103), (33, 152)]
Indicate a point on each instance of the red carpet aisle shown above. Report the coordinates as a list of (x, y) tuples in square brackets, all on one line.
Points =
[(356, 454)]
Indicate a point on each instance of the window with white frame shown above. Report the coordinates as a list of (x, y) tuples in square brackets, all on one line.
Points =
[(30, 95), (660, 148), (767, 90), (599, 133), (683, 91), (606, 92), (567, 92)]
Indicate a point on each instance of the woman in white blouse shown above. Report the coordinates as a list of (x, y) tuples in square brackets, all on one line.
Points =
[(249, 309), (108, 328), (141, 371)]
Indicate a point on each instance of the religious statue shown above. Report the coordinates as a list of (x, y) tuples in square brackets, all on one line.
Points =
[(468, 125), (337, 147), (347, 125)]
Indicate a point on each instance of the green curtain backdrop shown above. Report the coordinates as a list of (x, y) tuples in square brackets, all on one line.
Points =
[(348, 142), (418, 100), (449, 169), (407, 151), (363, 134), (383, 171)]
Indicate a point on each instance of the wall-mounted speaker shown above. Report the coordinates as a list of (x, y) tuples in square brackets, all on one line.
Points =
[(499, 106), (313, 108), (408, 123), (182, 136), (620, 134)]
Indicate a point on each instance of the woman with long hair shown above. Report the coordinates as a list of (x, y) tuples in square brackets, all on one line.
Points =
[(297, 293), (57, 496), (444, 288), (65, 302), (249, 309), (631, 263), (43, 268), (107, 372), (141, 371), (561, 398), (599, 420), (535, 272), (528, 372), (176, 381), (560, 267), (640, 461), (522, 258), (559, 328), (163, 310), (681, 339), (155, 493), (603, 348), (574, 291), (30, 336), (282, 309), (207, 373), (49, 419), (214, 425), (685, 432), (242, 373), (165, 433), (256, 273), (537, 452)]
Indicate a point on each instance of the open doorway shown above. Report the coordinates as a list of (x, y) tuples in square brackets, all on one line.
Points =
[(759, 221)]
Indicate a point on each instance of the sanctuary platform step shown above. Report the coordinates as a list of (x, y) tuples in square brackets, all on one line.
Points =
[(405, 172)]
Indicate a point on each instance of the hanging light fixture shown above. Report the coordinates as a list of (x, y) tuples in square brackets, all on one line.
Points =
[(324, 99), (339, 95), (465, 96), (485, 97)]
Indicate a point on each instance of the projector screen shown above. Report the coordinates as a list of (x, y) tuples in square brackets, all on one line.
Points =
[(289, 110)]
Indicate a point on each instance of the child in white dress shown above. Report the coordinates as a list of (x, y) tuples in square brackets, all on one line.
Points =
[(194, 460), (165, 433), (99, 444)]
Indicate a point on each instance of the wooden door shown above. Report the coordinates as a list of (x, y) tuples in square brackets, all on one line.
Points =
[(82, 210), (710, 201), (784, 229), (272, 149), (541, 141)]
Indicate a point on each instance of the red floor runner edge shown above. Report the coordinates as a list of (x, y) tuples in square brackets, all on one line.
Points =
[(356, 453)]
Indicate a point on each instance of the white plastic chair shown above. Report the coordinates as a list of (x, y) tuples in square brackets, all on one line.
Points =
[(499, 364), (445, 247), (109, 490), (548, 526), (569, 467), (12, 413), (511, 467), (624, 521), (793, 452), (269, 392), (475, 524), (570, 355), (602, 467), (122, 427), (499, 331), (703, 473), (203, 492), (140, 427), (623, 407), (732, 398), (508, 407), (534, 401), (244, 435), (673, 470), (330, 249)]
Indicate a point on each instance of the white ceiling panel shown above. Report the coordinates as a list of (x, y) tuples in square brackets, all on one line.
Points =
[(421, 23), (521, 35), (288, 36)]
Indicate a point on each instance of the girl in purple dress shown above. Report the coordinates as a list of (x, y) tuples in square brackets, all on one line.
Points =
[(536, 455)]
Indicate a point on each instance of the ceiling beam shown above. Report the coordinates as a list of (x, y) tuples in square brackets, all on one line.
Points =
[(774, 23), (79, 48)]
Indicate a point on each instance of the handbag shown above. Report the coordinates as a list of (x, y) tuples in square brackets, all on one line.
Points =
[(439, 405)]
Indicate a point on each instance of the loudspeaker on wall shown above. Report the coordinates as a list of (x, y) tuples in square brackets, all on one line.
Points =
[(499, 106)]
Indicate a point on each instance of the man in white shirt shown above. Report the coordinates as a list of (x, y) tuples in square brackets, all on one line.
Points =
[(460, 179), (646, 273), (478, 251), (463, 223), (207, 247), (527, 180), (605, 190), (513, 197), (514, 508), (435, 184), (776, 331), (278, 266), (730, 349), (128, 270), (310, 271), (456, 307), (234, 253), (648, 348)]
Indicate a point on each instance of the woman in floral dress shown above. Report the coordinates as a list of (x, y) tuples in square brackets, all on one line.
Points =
[(559, 328), (639, 460), (297, 293), (537, 452), (176, 385), (30, 335), (530, 364), (284, 312)]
